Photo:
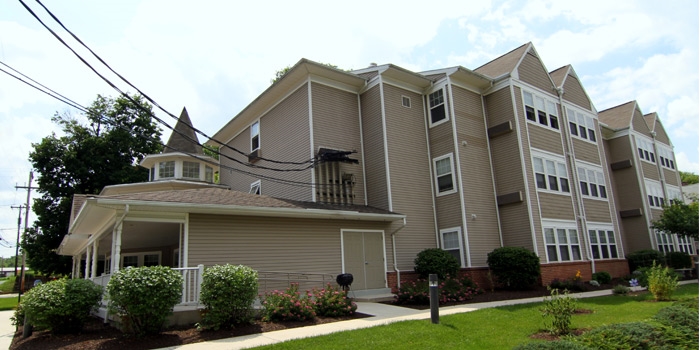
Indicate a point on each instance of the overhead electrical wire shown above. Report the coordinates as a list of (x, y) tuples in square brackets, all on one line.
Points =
[(309, 164), (312, 160), (52, 93)]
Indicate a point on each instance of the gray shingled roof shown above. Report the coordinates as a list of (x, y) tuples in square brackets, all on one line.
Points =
[(618, 117), (181, 138), (218, 196)]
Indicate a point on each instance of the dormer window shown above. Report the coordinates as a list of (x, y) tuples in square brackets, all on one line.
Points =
[(190, 170)]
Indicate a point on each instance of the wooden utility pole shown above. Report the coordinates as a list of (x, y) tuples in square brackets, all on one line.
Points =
[(19, 226), (29, 189)]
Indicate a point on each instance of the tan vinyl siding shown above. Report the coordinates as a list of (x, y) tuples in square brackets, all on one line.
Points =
[(639, 125), (284, 135), (597, 210), (532, 72), (373, 138), (671, 177), (555, 206), (545, 139), (655, 214), (476, 176), (586, 151), (650, 171), (515, 225), (409, 167), (636, 235), (265, 244), (661, 135), (574, 93), (336, 123)]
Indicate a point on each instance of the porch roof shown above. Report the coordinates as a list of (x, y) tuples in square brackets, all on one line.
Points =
[(99, 213)]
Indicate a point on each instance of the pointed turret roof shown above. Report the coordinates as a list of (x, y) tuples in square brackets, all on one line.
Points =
[(183, 139)]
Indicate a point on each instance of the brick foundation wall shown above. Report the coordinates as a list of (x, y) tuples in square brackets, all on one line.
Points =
[(616, 268)]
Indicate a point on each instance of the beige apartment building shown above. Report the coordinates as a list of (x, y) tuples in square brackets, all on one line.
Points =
[(331, 171)]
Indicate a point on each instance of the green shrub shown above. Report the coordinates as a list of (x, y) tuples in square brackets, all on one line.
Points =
[(642, 276), (450, 290), (620, 289), (602, 277), (662, 282), (333, 302), (437, 261), (144, 297), (552, 345), (635, 335), (570, 285), (560, 308), (228, 293), (679, 316), (679, 260), (691, 303), (61, 306), (643, 258), (289, 305), (514, 267)]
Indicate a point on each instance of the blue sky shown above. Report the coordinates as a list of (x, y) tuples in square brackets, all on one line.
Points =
[(214, 57)]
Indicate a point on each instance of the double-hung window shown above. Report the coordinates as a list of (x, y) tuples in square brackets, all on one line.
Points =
[(550, 174), (562, 242), (664, 242), (645, 148), (592, 182), (444, 174), (255, 136), (451, 240), (655, 195), (666, 157), (581, 125), (685, 244), (539, 110), (436, 102), (208, 174), (603, 245)]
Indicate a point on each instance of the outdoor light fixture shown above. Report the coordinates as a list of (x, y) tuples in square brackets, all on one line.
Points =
[(434, 311)]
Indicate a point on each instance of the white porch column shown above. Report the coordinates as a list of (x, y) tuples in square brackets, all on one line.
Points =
[(74, 271), (93, 270), (117, 242), (186, 242), (88, 255)]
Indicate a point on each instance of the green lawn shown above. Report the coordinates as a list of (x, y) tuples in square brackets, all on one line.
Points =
[(7, 283), (8, 303), (495, 328)]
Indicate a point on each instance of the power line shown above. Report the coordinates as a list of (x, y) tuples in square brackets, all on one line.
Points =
[(61, 98), (150, 99)]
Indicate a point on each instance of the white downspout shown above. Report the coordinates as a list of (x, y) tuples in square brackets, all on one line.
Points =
[(393, 250)]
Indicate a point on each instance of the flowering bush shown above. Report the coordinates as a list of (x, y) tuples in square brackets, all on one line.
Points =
[(332, 302), (451, 290), (289, 305)]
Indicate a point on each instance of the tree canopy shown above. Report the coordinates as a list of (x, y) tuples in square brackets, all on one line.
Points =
[(688, 178), (679, 218), (104, 151)]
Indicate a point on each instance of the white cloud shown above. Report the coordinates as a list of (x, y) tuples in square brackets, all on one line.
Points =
[(685, 163)]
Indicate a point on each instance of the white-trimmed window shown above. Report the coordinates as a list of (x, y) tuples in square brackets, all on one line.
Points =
[(444, 174), (438, 110), (592, 182), (655, 195), (190, 170), (645, 149), (451, 241), (666, 157), (255, 188), (140, 259), (208, 174), (674, 194), (166, 170), (603, 244), (581, 125), (664, 241), (255, 136), (540, 110), (562, 242), (685, 244), (406, 101), (550, 173)]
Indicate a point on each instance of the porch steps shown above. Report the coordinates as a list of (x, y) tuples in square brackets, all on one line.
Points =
[(371, 295)]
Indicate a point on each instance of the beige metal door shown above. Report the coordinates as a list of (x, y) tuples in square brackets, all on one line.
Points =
[(363, 254)]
